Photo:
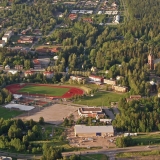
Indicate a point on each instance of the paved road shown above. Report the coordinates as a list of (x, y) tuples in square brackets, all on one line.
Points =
[(112, 152), (109, 152)]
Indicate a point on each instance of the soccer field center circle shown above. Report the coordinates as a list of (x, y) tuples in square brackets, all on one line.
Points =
[(44, 90)]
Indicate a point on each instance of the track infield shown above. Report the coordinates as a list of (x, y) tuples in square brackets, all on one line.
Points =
[(43, 90), (46, 90)]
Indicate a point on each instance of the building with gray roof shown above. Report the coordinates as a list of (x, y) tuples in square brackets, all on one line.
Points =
[(93, 131)]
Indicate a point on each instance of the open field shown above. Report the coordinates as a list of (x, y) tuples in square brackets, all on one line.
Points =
[(53, 114), (147, 139), (42, 90), (94, 156), (50, 91), (100, 99), (8, 113)]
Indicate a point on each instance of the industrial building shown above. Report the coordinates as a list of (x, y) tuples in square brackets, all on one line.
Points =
[(93, 131)]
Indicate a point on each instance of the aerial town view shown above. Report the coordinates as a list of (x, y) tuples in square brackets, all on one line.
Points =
[(79, 80)]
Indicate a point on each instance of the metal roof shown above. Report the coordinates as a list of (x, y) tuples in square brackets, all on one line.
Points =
[(93, 129)]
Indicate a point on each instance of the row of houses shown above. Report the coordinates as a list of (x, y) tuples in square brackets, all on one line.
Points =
[(5, 38), (47, 74), (82, 11), (100, 80)]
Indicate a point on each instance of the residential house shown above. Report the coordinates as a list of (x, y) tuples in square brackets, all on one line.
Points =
[(89, 20), (7, 67), (26, 39), (77, 78), (5, 158), (133, 97), (13, 71), (18, 67), (37, 64), (2, 43), (120, 88), (8, 34), (48, 74), (5, 38), (72, 16), (109, 81), (94, 78), (29, 72), (55, 50)]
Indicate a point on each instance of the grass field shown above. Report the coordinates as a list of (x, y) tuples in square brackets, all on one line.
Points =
[(7, 113), (94, 156), (45, 90), (147, 139), (100, 99)]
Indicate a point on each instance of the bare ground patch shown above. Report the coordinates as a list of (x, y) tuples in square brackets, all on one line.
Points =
[(53, 114)]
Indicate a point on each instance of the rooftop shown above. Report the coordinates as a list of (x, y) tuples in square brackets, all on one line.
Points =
[(93, 129), (93, 109)]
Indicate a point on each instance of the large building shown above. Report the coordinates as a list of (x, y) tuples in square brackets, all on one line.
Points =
[(93, 131), (94, 112)]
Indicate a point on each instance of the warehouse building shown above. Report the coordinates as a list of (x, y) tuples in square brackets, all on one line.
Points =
[(93, 131)]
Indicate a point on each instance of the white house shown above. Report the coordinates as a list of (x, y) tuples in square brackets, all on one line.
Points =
[(117, 19), (7, 67), (2, 43), (9, 34), (5, 38), (12, 71)]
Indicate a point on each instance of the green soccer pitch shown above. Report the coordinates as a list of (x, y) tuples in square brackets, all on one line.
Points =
[(44, 90)]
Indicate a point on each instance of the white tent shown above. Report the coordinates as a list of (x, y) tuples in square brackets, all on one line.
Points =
[(19, 106)]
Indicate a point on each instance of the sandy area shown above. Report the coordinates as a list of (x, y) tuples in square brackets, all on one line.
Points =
[(53, 114)]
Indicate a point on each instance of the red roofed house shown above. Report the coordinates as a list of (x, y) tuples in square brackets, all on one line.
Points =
[(48, 74), (55, 50), (96, 78), (72, 16), (26, 39), (37, 64), (29, 73), (89, 20)]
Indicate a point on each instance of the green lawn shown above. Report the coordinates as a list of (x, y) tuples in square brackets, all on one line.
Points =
[(45, 90), (94, 156), (147, 139), (100, 99), (7, 113)]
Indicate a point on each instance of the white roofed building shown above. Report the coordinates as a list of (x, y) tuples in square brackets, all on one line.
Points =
[(93, 131)]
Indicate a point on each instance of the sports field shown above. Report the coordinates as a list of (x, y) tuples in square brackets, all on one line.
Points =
[(46, 90), (41, 90), (7, 113)]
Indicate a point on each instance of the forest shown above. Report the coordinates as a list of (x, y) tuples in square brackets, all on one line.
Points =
[(138, 116)]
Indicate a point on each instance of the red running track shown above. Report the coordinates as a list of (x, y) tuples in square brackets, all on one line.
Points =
[(14, 89)]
